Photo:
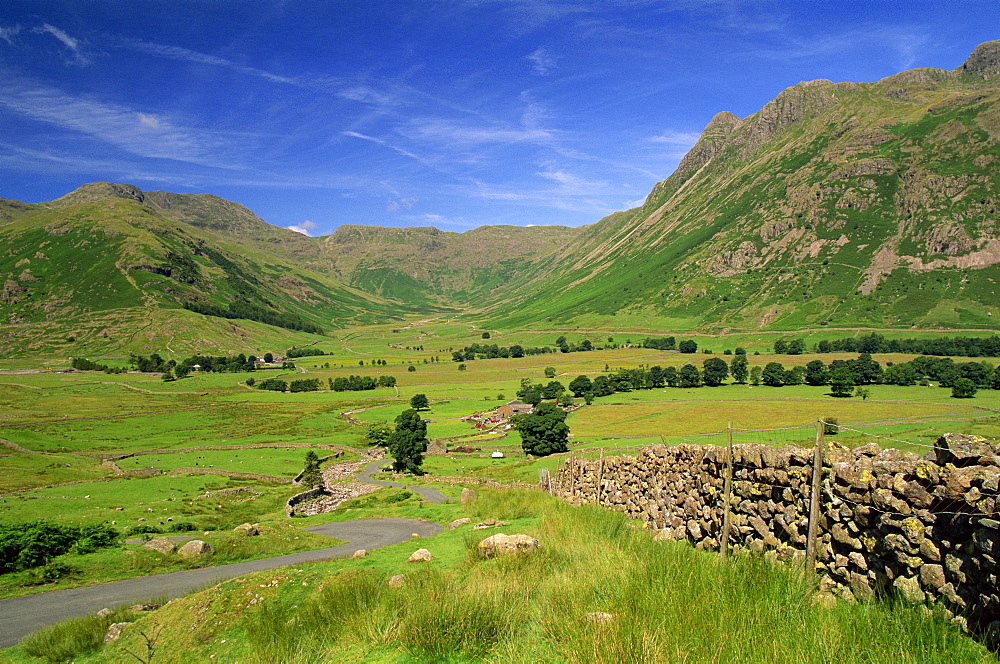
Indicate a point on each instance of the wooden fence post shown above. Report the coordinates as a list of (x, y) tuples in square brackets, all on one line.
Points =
[(814, 499), (728, 493)]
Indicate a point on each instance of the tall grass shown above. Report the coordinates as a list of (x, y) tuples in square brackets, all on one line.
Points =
[(669, 602), (75, 637)]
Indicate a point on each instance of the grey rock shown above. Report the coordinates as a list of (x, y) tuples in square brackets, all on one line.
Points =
[(195, 549), (115, 631), (162, 545), (420, 556)]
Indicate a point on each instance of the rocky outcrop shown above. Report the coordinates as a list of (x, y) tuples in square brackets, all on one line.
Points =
[(984, 61)]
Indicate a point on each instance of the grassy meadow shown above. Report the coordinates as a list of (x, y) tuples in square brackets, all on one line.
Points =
[(60, 425), (599, 590)]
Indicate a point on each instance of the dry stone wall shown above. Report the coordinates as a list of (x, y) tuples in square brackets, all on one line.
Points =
[(924, 528)]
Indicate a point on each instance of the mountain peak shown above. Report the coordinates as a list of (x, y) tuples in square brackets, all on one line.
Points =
[(95, 191), (984, 61)]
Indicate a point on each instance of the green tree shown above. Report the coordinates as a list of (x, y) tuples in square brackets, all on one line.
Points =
[(408, 443), (553, 390), (311, 475), (486, 335), (544, 431), (830, 427), (816, 373), (379, 432), (862, 392), (841, 382), (963, 388), (419, 402), (755, 375), (740, 368), (773, 375), (550, 372), (689, 376), (580, 386), (462, 367), (714, 371), (688, 346), (411, 368)]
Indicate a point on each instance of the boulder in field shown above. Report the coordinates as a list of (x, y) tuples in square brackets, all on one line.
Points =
[(195, 549), (420, 556), (162, 545), (247, 529), (500, 544)]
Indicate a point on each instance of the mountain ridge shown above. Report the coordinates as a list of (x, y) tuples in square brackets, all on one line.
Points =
[(841, 204)]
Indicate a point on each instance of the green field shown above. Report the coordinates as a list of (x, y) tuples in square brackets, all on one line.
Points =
[(69, 421)]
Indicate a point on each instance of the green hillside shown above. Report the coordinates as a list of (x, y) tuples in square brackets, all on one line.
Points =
[(841, 204)]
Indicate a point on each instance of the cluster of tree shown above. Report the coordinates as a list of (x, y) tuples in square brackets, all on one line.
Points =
[(27, 545), (255, 312), (408, 442), (217, 364), (793, 347), (543, 431), (272, 385), (660, 343), (83, 364), (359, 383), (533, 393), (303, 352), (312, 477), (304, 385), (877, 343), (492, 351)]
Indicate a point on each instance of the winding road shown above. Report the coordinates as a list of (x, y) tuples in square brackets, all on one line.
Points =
[(20, 616), (425, 492)]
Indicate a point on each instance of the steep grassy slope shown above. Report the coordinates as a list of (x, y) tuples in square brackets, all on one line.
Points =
[(69, 263), (844, 204)]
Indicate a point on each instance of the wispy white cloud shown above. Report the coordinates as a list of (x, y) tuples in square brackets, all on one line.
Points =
[(542, 61), (8, 34), (304, 227), (79, 57), (906, 41), (685, 139), (387, 144), (148, 121), (116, 125), (397, 205), (187, 55)]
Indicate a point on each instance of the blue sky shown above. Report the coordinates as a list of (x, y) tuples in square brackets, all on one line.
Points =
[(451, 114)]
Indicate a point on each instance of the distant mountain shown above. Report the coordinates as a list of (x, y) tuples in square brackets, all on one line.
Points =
[(845, 204), (837, 203)]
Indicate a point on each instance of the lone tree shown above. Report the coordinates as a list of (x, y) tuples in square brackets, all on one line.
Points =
[(311, 475), (419, 401), (544, 431), (963, 388), (408, 443)]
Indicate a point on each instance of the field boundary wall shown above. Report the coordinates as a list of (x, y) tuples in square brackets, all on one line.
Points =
[(870, 521)]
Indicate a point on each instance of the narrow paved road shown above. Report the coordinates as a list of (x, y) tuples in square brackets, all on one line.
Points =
[(427, 493), (20, 616)]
